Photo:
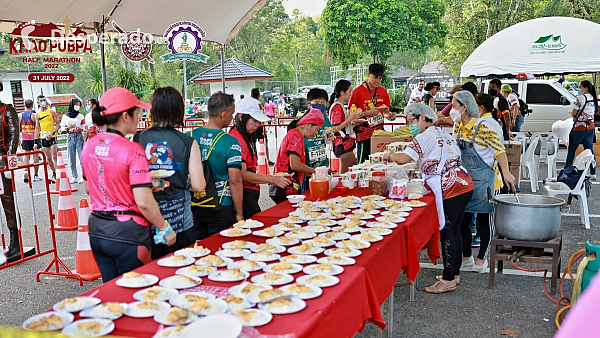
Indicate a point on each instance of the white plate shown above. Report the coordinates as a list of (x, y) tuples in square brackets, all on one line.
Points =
[(301, 234), (401, 207), (337, 260), (67, 318), (217, 307), (246, 265), (191, 271), (262, 256), (254, 296), (294, 219), (350, 230), (161, 317), (81, 303), (382, 224), (237, 290), (417, 204), (363, 216), (180, 282), (72, 330), (335, 236), (312, 270), (341, 252), (171, 263), (378, 231), (372, 198), (133, 311), (226, 261), (194, 252), (310, 250), (269, 248), (105, 312), (294, 269), (317, 228), (233, 304), (299, 259), (295, 306), (232, 253), (284, 241), (259, 318), (323, 222), (386, 204), (222, 276), (249, 224), (148, 281), (375, 238), (349, 205), (312, 217), (263, 233), (395, 213), (182, 301), (166, 332), (235, 232), (239, 244), (351, 223), (316, 280), (315, 291), (391, 219), (284, 279), (221, 326), (356, 244), (336, 215), (363, 211), (326, 242), (285, 229)]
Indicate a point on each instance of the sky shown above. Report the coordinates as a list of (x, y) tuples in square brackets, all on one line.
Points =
[(311, 8)]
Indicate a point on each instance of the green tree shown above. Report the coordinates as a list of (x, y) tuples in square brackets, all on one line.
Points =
[(93, 74)]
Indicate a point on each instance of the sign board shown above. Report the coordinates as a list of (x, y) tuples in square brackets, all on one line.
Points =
[(446, 80)]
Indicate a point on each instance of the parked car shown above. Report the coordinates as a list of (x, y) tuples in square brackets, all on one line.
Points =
[(302, 91)]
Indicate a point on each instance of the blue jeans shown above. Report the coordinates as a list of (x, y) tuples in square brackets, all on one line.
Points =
[(74, 147), (577, 137), (518, 123)]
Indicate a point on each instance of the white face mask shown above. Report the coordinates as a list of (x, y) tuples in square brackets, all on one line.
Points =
[(455, 115), (43, 104), (77, 108)]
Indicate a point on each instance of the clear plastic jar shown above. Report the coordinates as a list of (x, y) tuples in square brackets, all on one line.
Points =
[(379, 184)]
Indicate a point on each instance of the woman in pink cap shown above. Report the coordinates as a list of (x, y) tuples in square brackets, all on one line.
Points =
[(118, 181), (292, 156)]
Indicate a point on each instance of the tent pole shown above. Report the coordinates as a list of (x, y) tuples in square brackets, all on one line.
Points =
[(103, 60), (184, 81), (222, 50)]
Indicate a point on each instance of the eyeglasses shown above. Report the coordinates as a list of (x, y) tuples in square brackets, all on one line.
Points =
[(411, 120)]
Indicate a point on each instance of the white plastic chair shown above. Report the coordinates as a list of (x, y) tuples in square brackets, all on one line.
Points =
[(583, 162), (528, 161), (553, 143), (521, 137)]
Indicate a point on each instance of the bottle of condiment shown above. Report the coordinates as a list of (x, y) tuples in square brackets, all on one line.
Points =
[(379, 185)]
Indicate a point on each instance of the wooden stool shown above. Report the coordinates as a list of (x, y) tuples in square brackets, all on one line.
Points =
[(501, 254)]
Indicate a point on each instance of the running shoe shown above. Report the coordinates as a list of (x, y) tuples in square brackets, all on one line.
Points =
[(80, 180), (476, 242), (36, 178), (73, 180), (26, 178)]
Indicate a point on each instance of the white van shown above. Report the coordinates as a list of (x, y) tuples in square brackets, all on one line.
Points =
[(547, 100)]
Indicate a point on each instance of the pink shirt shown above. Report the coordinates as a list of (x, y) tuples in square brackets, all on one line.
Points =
[(112, 167), (270, 108)]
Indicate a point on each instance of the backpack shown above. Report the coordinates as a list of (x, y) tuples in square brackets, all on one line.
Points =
[(523, 107), (209, 198)]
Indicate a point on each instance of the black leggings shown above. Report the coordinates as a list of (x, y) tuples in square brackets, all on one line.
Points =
[(209, 222), (250, 205), (116, 258), (484, 230), (454, 208)]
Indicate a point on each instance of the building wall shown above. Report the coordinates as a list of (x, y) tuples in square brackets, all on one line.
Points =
[(236, 88), (30, 89)]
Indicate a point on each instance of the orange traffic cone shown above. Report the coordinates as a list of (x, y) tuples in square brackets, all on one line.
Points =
[(263, 166), (85, 264), (67, 214), (61, 168)]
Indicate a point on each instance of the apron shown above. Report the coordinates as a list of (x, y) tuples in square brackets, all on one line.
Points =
[(435, 181), (482, 175)]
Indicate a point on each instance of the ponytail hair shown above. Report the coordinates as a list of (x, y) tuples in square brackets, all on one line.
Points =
[(102, 120), (341, 86), (293, 124), (592, 91)]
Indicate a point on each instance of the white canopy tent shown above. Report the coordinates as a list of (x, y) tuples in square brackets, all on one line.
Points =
[(544, 46), (220, 20)]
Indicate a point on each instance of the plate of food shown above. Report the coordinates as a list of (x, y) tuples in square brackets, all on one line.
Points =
[(401, 207), (283, 267), (292, 219), (337, 260), (416, 203), (323, 222), (353, 244), (228, 275), (239, 244), (145, 308), (253, 317), (170, 332), (302, 291), (352, 222), (110, 310), (76, 304), (269, 232), (283, 174), (320, 242), (367, 237), (391, 219), (262, 256), (348, 228), (306, 249), (335, 235), (372, 198), (299, 259), (94, 327), (370, 207), (377, 231), (273, 278), (235, 303), (346, 252), (395, 213), (269, 248), (323, 269), (286, 226), (382, 224), (161, 173), (48, 321), (235, 232), (214, 261), (176, 261), (174, 316), (208, 307), (180, 282), (232, 253), (185, 300), (196, 271), (361, 216), (265, 296), (387, 203), (351, 199), (322, 281), (335, 215), (301, 234), (311, 215), (249, 224), (196, 252), (283, 241), (283, 305), (317, 228), (243, 289), (219, 326), (247, 265)]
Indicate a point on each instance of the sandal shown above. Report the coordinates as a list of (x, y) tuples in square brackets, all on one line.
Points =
[(456, 279), (441, 287)]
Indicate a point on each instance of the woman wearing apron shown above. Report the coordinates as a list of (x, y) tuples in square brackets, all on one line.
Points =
[(438, 158), (482, 151)]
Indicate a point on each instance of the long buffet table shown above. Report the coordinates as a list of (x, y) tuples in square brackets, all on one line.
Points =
[(343, 309)]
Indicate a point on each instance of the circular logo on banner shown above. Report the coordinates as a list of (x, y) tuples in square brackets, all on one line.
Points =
[(184, 42), (136, 46)]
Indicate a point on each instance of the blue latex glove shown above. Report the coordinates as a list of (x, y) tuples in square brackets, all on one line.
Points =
[(159, 238)]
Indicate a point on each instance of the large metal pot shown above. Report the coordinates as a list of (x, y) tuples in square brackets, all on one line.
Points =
[(535, 218)]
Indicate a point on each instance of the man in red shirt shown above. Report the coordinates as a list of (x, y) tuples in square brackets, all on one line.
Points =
[(374, 101)]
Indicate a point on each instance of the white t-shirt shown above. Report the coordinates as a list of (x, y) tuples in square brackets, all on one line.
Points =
[(416, 93), (589, 109), (512, 100), (70, 123)]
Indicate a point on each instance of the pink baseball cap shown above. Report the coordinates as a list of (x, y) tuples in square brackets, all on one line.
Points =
[(314, 116), (117, 100)]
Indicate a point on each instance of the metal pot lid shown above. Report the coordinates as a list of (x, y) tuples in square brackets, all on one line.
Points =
[(529, 200)]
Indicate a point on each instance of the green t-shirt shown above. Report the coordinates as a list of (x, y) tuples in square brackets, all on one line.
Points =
[(226, 154), (316, 149)]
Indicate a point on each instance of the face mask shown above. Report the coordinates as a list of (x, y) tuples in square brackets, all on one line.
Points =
[(319, 107), (455, 115), (77, 108), (414, 129), (88, 109), (43, 104), (493, 92)]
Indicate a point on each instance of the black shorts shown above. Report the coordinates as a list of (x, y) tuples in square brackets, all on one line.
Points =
[(347, 146), (28, 145), (48, 143)]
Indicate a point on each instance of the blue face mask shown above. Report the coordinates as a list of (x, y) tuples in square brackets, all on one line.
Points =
[(414, 129), (319, 107)]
